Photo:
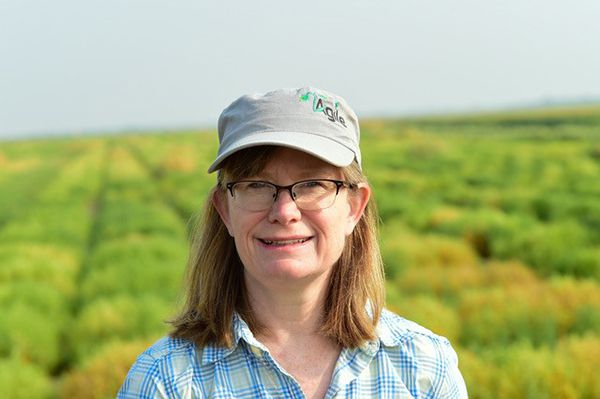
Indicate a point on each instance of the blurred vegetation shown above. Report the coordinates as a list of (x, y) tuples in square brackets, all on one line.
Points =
[(490, 236)]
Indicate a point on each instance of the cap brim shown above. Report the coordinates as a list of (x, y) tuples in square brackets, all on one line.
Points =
[(321, 147)]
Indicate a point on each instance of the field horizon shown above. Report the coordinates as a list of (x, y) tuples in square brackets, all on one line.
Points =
[(529, 108)]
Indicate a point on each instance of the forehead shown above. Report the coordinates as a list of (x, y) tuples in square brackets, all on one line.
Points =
[(300, 165), (264, 162)]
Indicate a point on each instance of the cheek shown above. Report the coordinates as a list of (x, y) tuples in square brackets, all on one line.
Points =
[(242, 227), (235, 225), (345, 221), (335, 246), (336, 232), (243, 244)]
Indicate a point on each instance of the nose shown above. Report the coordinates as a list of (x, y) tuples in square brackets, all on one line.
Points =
[(284, 210)]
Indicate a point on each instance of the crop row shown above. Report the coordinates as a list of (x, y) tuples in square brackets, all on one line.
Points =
[(520, 371), (25, 172), (509, 198), (41, 252), (132, 275), (140, 242), (179, 165), (94, 262)]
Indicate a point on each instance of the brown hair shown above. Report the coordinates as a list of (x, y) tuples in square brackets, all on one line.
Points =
[(214, 278)]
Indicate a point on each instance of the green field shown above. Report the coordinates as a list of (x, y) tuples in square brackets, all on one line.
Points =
[(490, 235)]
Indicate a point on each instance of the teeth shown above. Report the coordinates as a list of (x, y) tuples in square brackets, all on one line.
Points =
[(285, 242)]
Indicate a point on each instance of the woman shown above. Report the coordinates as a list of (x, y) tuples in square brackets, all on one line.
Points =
[(285, 283)]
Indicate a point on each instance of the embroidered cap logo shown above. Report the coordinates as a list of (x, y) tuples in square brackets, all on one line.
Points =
[(325, 105)]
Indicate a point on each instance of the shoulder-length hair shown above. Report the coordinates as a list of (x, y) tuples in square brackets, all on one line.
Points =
[(214, 279)]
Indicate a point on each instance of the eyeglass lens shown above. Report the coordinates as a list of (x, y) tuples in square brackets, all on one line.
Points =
[(308, 195)]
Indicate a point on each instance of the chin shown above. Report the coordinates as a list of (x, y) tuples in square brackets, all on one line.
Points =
[(291, 270)]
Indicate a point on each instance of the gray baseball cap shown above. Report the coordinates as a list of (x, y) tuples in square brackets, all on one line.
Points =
[(307, 119)]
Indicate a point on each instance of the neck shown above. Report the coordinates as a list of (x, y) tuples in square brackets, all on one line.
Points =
[(292, 314), (288, 312)]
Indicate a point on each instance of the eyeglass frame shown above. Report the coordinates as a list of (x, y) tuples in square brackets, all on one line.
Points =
[(338, 184)]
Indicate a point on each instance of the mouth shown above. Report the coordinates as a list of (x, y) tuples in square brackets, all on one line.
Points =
[(281, 243)]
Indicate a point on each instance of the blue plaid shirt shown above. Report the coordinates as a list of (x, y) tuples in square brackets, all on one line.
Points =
[(406, 361)]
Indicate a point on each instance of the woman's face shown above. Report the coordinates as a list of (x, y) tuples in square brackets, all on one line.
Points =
[(284, 244)]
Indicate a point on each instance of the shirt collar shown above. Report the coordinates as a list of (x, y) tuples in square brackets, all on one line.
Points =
[(213, 352), (388, 334), (391, 329)]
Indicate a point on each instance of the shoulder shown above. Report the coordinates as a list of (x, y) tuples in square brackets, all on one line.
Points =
[(427, 360), (167, 360), (394, 330), (168, 347)]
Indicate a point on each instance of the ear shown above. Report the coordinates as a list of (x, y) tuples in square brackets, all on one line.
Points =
[(358, 200), (219, 201)]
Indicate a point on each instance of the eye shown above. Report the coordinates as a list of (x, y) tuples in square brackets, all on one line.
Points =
[(257, 185), (252, 187), (311, 184)]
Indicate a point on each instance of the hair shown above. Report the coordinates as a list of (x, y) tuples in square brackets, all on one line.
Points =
[(214, 279)]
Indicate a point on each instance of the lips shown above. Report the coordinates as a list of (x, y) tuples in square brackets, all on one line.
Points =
[(282, 242)]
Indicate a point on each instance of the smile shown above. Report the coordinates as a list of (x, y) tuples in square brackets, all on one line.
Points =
[(284, 242)]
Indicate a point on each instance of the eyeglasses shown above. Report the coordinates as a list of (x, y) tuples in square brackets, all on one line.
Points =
[(309, 195)]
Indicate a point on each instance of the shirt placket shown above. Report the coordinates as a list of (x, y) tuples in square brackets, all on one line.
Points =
[(278, 377), (350, 364)]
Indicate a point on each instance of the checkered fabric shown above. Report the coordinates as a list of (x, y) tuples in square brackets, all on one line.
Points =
[(406, 361)]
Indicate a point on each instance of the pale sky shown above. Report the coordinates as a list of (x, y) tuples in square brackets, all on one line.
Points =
[(96, 65)]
